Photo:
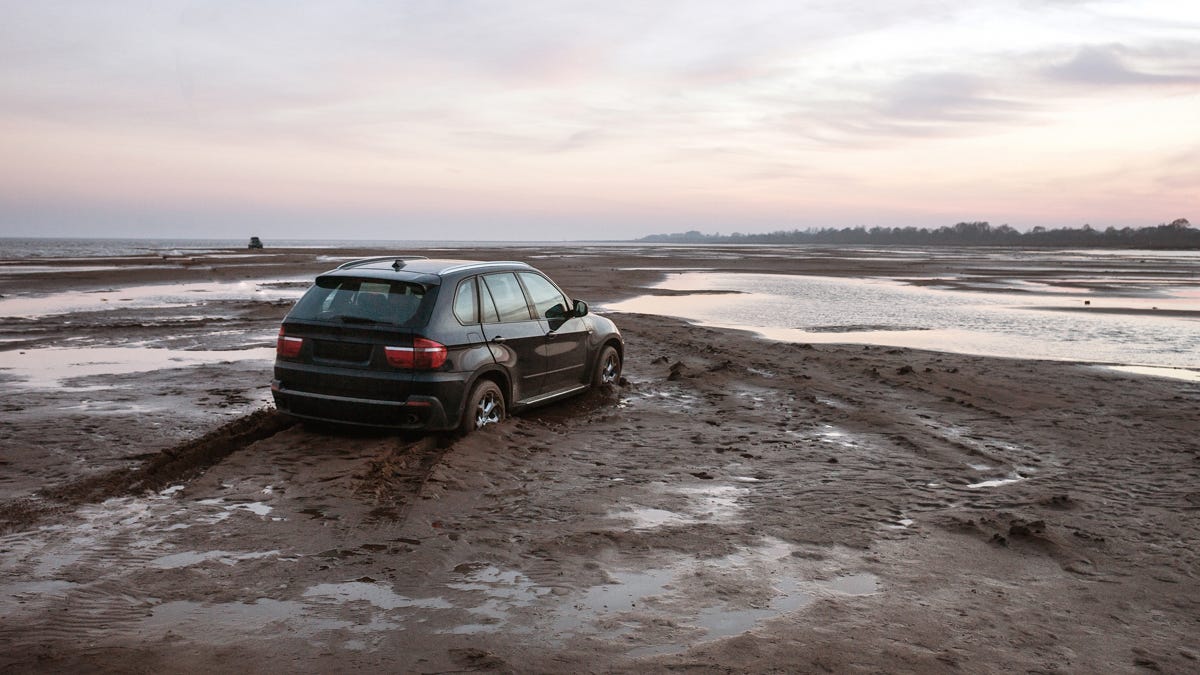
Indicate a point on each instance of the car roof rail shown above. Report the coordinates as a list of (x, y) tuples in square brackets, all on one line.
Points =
[(367, 261), (488, 263)]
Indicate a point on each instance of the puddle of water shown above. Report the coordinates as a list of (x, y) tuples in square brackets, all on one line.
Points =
[(706, 503), (157, 295), (233, 620), (189, 558), (1185, 374), (716, 502), (623, 596), (17, 593), (214, 518), (637, 596), (11, 270), (107, 407), (257, 508), (670, 400), (721, 622), (996, 482), (226, 623), (377, 594), (53, 367), (503, 591)]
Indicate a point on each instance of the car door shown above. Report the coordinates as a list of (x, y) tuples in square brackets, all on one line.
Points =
[(566, 336), (516, 338)]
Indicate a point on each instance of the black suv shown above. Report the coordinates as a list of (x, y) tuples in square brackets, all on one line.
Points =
[(407, 342)]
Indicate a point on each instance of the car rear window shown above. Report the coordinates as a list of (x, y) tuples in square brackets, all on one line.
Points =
[(363, 301)]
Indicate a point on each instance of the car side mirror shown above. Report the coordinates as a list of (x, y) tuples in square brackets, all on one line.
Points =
[(580, 309)]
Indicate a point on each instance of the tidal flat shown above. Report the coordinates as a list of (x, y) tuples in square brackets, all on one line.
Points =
[(814, 502)]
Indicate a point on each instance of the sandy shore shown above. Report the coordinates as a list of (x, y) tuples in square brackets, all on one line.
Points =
[(737, 505)]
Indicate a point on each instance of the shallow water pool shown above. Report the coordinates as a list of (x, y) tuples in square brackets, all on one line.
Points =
[(1160, 327)]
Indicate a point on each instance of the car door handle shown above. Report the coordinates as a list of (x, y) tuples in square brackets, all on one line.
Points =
[(498, 339)]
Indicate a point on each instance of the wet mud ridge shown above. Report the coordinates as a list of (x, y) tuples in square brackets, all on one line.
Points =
[(155, 472)]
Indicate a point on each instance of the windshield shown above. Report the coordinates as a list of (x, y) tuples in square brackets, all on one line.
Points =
[(362, 301)]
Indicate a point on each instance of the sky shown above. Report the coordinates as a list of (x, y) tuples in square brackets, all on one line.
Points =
[(561, 120)]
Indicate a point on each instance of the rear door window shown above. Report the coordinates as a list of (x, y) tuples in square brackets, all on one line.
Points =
[(362, 301), (508, 300)]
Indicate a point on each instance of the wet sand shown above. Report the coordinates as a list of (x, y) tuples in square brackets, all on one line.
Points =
[(736, 505)]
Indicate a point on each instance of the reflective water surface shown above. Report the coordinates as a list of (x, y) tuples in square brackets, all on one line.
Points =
[(36, 305), (57, 367), (1156, 324)]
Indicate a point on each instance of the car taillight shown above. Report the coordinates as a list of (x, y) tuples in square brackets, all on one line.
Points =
[(425, 354), (288, 347)]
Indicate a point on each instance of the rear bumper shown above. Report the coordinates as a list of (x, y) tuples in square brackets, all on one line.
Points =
[(415, 412)]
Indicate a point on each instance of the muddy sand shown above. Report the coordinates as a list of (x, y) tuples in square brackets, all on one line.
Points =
[(736, 505)]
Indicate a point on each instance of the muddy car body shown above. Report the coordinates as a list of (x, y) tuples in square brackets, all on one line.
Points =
[(437, 344)]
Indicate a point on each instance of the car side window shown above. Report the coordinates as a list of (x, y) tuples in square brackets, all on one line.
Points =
[(487, 306), (465, 305), (543, 293), (509, 299)]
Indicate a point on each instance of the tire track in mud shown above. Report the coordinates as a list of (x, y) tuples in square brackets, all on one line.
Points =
[(395, 480), (180, 462), (177, 463), (92, 586)]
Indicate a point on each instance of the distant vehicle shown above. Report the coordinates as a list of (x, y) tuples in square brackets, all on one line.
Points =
[(255, 242), (406, 342)]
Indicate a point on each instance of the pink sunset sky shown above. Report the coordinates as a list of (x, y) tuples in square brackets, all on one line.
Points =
[(552, 120)]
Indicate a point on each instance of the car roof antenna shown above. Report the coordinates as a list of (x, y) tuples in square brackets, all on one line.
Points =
[(398, 265)]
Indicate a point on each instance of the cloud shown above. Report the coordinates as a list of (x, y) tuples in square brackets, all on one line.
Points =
[(925, 105), (948, 98), (1108, 65)]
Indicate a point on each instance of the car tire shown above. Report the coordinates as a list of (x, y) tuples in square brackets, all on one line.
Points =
[(485, 406), (608, 368)]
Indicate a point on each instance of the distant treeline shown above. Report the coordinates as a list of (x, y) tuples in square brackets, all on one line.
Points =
[(1176, 234)]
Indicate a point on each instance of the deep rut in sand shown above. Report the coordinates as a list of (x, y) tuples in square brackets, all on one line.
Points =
[(394, 480), (180, 462), (393, 473)]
